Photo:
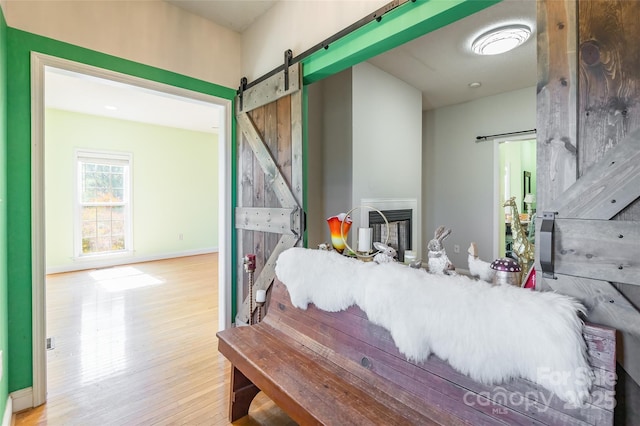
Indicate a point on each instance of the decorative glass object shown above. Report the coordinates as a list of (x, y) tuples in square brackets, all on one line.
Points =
[(337, 230)]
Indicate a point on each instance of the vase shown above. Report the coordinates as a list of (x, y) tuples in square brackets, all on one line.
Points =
[(338, 226)]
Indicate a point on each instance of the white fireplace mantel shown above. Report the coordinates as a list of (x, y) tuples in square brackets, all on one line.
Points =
[(395, 204)]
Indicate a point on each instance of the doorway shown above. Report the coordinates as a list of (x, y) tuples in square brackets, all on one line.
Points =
[(516, 177), (40, 63)]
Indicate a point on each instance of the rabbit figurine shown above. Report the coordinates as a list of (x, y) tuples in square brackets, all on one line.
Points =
[(386, 254), (439, 263)]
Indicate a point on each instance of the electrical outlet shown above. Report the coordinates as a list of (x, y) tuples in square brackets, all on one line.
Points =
[(456, 248), (180, 237)]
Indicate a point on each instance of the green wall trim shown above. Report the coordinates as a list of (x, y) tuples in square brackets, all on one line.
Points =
[(20, 44), (4, 316), (405, 23)]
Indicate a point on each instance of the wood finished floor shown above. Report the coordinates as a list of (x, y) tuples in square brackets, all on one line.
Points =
[(136, 345)]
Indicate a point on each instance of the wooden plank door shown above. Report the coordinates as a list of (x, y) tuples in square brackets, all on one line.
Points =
[(269, 215), (589, 165)]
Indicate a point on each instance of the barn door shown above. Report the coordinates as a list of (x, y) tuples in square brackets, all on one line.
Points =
[(269, 215), (584, 252), (588, 173)]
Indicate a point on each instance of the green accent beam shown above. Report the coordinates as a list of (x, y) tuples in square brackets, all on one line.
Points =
[(405, 23)]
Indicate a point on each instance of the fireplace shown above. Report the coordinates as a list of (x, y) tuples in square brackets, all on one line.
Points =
[(404, 226), (399, 229)]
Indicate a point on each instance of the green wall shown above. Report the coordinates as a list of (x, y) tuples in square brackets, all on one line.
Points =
[(3, 216), (20, 44), (174, 184)]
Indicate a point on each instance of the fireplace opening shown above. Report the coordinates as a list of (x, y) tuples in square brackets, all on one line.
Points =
[(399, 229)]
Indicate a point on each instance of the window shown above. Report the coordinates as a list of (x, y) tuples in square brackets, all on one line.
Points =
[(103, 203)]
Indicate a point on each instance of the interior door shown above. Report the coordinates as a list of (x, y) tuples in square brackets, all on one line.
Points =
[(269, 215)]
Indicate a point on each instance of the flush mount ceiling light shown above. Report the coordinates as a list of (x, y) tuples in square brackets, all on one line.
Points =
[(500, 40)]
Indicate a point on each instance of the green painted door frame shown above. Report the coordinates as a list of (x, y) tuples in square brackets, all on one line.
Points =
[(20, 44)]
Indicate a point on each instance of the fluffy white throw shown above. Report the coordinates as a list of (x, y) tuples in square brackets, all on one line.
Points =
[(491, 333)]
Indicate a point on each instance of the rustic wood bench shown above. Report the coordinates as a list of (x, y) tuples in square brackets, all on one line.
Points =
[(338, 368)]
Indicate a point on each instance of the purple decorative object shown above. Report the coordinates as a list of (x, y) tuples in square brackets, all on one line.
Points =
[(508, 271)]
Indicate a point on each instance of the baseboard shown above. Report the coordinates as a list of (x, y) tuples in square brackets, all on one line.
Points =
[(8, 412), (117, 261), (22, 399), (461, 271)]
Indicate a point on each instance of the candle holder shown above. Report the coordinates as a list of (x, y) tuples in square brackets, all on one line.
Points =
[(369, 255)]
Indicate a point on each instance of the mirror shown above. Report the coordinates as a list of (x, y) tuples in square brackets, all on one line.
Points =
[(376, 131)]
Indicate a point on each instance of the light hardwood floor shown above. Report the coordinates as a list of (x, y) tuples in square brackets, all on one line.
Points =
[(136, 345)]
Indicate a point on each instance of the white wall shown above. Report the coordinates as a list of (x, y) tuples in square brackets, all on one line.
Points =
[(371, 140), (458, 173), (151, 32), (174, 187), (160, 34), (297, 25), (387, 138)]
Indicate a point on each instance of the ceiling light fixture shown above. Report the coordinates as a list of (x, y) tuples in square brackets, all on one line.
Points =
[(500, 40), (110, 107)]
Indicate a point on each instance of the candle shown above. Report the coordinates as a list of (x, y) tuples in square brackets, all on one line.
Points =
[(364, 239), (261, 296), (410, 256)]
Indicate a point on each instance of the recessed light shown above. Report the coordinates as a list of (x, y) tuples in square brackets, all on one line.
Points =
[(475, 84), (500, 40), (111, 107)]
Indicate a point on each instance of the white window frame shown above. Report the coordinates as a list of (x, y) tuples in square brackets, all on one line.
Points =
[(107, 157)]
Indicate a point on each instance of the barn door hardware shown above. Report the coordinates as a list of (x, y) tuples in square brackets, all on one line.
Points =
[(298, 221), (374, 16), (546, 241), (241, 89), (295, 223), (288, 55)]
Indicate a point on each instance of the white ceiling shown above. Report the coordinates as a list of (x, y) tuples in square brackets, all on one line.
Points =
[(70, 91), (440, 64)]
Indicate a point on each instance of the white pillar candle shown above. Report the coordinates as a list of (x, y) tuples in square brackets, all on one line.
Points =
[(261, 296), (410, 256), (364, 239)]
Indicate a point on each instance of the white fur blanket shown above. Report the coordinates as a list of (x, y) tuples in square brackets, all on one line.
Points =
[(491, 333)]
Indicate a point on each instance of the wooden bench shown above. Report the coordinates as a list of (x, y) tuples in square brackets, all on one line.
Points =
[(338, 368)]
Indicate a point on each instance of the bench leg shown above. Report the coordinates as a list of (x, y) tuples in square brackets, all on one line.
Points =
[(242, 393)]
